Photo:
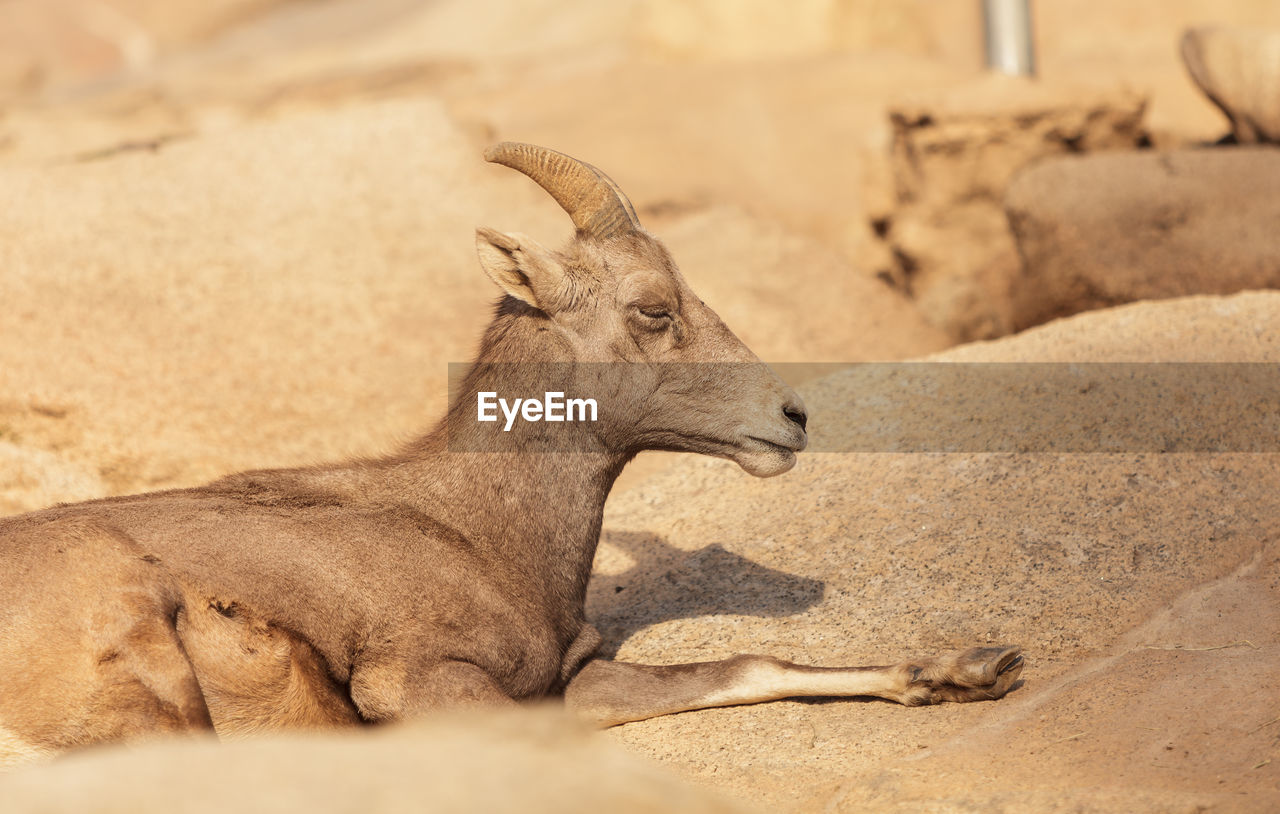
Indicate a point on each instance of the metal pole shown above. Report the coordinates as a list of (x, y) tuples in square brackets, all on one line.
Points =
[(1007, 26)]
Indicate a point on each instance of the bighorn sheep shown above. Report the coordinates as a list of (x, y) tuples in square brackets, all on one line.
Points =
[(446, 574)]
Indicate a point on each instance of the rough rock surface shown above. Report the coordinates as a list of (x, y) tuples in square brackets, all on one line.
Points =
[(737, 29), (509, 761), (1239, 70), (1095, 231), (1092, 562), (945, 240), (736, 262), (45, 43), (177, 313)]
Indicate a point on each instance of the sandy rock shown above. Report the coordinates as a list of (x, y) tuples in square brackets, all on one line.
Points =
[(789, 143), (37, 477), (737, 263), (343, 50), (1117, 732), (290, 54), (527, 761), (47, 42), (733, 29), (1239, 70), (38, 465), (950, 162), (1188, 329), (58, 42), (277, 295), (871, 558), (1100, 230)]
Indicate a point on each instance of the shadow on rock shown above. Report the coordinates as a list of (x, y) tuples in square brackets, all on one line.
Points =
[(669, 583)]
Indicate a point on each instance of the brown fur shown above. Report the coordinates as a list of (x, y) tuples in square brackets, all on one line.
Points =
[(375, 589)]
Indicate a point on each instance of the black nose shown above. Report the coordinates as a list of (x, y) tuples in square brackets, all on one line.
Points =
[(796, 414)]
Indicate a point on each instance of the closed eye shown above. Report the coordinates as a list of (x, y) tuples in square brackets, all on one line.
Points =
[(652, 318)]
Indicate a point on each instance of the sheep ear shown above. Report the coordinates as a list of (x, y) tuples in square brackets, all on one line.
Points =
[(521, 267)]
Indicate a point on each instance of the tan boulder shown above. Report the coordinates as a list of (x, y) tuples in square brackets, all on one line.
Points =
[(1239, 70), (1101, 230), (51, 43), (509, 761), (869, 558), (789, 143), (31, 476), (268, 296), (744, 29), (938, 215), (790, 298)]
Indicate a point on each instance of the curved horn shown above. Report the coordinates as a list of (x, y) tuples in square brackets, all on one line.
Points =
[(594, 202)]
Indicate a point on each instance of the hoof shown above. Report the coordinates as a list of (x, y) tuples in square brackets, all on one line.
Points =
[(976, 674)]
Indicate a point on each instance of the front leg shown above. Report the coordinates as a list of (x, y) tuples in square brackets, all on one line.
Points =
[(388, 690), (613, 692)]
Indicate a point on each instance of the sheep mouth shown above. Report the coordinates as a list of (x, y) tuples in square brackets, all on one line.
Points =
[(790, 447), (765, 458)]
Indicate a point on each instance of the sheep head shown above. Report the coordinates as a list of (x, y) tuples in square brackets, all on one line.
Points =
[(677, 377)]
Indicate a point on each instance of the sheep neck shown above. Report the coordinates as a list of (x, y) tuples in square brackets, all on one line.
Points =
[(540, 509)]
